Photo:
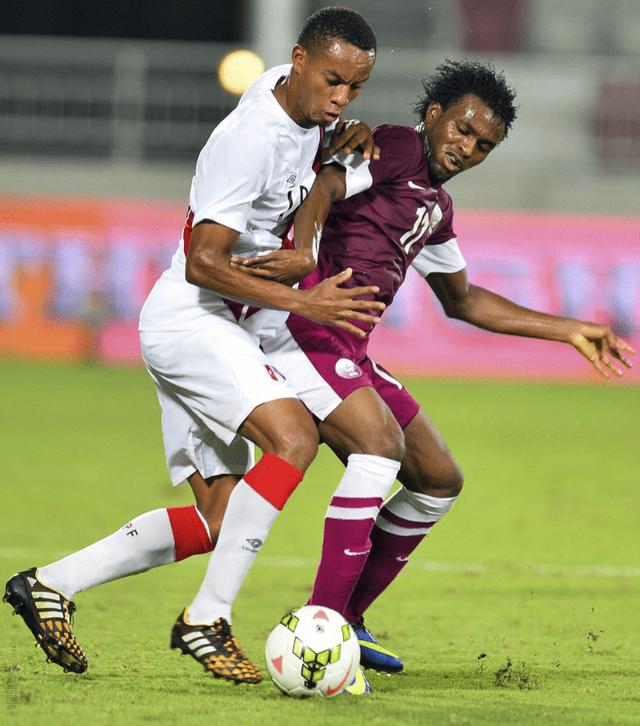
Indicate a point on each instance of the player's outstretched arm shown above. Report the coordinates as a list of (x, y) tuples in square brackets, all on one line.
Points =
[(209, 266), (484, 309), (290, 266)]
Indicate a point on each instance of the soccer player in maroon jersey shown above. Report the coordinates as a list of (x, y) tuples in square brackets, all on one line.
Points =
[(403, 216)]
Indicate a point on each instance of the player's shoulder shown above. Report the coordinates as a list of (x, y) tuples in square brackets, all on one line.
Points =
[(401, 152), (265, 83), (248, 128), (395, 134)]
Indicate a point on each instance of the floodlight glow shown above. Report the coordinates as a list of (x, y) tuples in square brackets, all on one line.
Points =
[(238, 70)]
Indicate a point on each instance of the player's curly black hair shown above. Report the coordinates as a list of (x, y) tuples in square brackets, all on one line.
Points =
[(337, 23), (452, 80)]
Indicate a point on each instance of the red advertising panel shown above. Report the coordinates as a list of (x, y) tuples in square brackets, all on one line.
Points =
[(74, 274)]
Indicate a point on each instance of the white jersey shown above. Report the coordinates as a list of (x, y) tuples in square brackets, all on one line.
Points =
[(254, 171)]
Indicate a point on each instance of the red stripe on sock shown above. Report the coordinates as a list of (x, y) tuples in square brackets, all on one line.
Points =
[(274, 479), (189, 533)]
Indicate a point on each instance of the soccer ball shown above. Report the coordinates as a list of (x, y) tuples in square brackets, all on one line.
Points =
[(312, 651)]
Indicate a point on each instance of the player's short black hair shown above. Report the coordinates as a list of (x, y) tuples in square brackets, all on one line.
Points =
[(337, 23), (452, 80)]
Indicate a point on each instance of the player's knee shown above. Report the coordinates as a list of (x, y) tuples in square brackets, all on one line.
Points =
[(444, 480), (388, 443), (298, 443)]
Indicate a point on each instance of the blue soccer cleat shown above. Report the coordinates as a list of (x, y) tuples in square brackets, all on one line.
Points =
[(359, 686), (373, 655)]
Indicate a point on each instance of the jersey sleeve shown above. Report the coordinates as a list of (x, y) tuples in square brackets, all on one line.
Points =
[(357, 174), (443, 257), (231, 173)]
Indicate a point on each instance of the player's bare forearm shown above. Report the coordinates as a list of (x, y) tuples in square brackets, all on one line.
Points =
[(486, 310), (208, 266), (329, 186), (290, 266)]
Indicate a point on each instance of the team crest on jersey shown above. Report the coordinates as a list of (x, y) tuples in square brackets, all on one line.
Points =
[(346, 368)]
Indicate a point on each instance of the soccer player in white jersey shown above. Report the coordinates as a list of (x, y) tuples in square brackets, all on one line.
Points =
[(403, 217), (201, 330)]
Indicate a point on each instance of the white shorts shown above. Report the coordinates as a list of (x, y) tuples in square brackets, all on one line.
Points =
[(208, 381)]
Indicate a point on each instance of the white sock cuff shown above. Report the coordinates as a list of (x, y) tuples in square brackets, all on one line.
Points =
[(419, 507), (367, 476)]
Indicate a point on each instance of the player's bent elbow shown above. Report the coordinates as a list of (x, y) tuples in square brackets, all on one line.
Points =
[(194, 272), (191, 274)]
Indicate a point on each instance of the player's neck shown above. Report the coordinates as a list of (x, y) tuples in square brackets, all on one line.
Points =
[(286, 97)]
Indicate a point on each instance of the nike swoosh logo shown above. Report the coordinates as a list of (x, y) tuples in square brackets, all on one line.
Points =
[(416, 186), (331, 691), (402, 559), (355, 554)]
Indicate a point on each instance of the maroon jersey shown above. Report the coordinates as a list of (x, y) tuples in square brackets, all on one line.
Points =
[(379, 231)]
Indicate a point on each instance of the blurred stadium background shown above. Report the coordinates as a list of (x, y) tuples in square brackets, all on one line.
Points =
[(105, 106)]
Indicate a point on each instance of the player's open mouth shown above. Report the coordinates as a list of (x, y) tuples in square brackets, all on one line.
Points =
[(453, 163)]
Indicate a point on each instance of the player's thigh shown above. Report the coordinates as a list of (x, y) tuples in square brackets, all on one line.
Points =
[(428, 465), (217, 372), (363, 424)]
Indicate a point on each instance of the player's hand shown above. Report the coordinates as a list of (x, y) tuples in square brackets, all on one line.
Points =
[(329, 304), (285, 266), (351, 135), (599, 345)]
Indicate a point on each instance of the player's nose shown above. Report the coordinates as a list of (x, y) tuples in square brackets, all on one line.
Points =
[(340, 96)]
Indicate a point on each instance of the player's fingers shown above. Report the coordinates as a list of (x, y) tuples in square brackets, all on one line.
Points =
[(362, 317), (365, 290), (344, 325), (606, 360), (619, 345), (370, 151), (341, 277), (256, 272), (247, 261), (351, 304), (597, 364)]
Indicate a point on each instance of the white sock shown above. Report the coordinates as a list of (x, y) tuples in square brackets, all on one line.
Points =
[(244, 529), (145, 542)]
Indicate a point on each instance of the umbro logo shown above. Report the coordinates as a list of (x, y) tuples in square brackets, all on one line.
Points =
[(292, 179), (255, 543)]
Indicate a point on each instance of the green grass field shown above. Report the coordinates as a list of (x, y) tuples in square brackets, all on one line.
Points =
[(522, 607)]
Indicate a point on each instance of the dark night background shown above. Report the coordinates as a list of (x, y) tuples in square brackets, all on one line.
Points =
[(200, 20)]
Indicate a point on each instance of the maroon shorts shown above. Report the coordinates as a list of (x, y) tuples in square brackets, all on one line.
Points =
[(339, 365)]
